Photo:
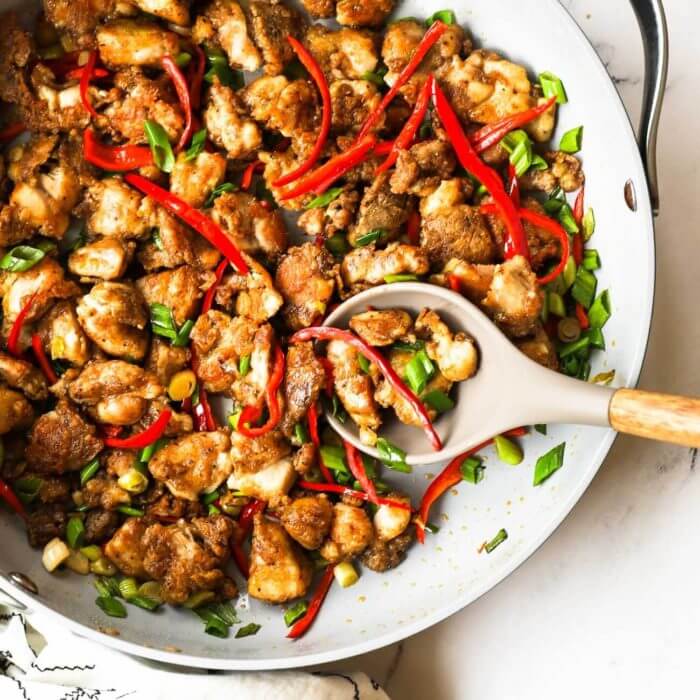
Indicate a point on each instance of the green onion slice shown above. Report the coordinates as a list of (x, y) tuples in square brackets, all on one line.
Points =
[(301, 434), (365, 364), (23, 257), (419, 370), (392, 456), (569, 349), (323, 200), (446, 16), (128, 587), (161, 149), (183, 335), (600, 310), (369, 237), (111, 606), (376, 77), (218, 191), (183, 59), (519, 147), (248, 630), (508, 451), (128, 510), (244, 365), (596, 338), (107, 586), (141, 601), (196, 144), (439, 401), (572, 140), (75, 532), (584, 287), (604, 378), (588, 224), (541, 428), (538, 162), (391, 279), (338, 245), (501, 536), (553, 86), (591, 259), (334, 458), (472, 470), (27, 488), (148, 451), (566, 219), (403, 346), (555, 201), (296, 612), (89, 470), (548, 463)]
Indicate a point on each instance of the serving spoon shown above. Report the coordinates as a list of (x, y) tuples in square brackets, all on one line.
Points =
[(509, 389)]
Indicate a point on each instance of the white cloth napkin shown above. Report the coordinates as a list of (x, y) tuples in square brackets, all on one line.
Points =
[(40, 661)]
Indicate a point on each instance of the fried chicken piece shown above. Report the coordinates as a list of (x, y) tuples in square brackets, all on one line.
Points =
[(335, 218), (279, 163), (165, 360), (114, 316), (16, 413), (45, 523), (390, 522), (350, 534), (308, 520), (380, 209), (363, 13), (62, 335), (352, 102), (23, 375), (78, 18), (540, 348), (382, 327), (279, 570), (105, 258), (228, 124), (422, 168), (193, 464), (345, 53), (100, 525), (253, 228), (319, 8), (304, 379), (354, 389), (126, 550), (382, 556), (306, 279), (564, 171), (115, 392), (61, 440), (134, 42), (271, 24), (103, 492), (174, 11), (193, 180), (224, 22)]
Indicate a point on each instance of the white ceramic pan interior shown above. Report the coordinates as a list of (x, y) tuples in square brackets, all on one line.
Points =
[(447, 573)]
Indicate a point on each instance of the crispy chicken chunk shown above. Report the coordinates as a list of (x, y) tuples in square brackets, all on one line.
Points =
[(130, 42), (363, 13), (346, 53), (384, 327), (126, 551), (308, 520), (352, 101), (188, 557), (179, 289), (115, 392), (174, 11), (335, 218), (390, 522), (114, 316), (105, 258), (319, 8), (228, 124), (78, 18), (564, 171), (422, 168), (23, 375), (193, 180), (252, 227), (279, 570), (61, 440), (223, 21), (272, 23), (304, 379), (350, 534), (193, 464), (103, 492), (62, 335), (165, 360), (16, 412), (381, 556), (306, 279), (355, 390), (380, 209), (540, 348), (45, 523)]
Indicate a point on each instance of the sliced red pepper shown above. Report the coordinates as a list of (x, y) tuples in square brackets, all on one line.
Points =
[(252, 414), (516, 240), (579, 205), (311, 65), (312, 421), (383, 148), (491, 134), (251, 169), (85, 78), (62, 65), (46, 366), (577, 249), (513, 186), (555, 228), (146, 437), (197, 68), (410, 128), (191, 216), (582, 317), (322, 178), (577, 252), (203, 416), (357, 469), (208, 301), (245, 526), (455, 283), (9, 496), (330, 379), (11, 132), (114, 158), (373, 355), (446, 479), (413, 228), (345, 491), (16, 329), (77, 73), (301, 627), (437, 29), (183, 95)]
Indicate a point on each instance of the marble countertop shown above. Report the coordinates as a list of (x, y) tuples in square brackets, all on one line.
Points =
[(605, 607)]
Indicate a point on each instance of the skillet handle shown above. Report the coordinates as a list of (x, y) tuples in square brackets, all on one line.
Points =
[(652, 22)]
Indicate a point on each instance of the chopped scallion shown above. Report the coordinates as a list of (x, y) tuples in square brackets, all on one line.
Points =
[(419, 370), (403, 346), (301, 434), (75, 532), (548, 463), (508, 451), (337, 244), (296, 612), (555, 304), (364, 363), (600, 310), (584, 287), (392, 456), (162, 151), (446, 16), (591, 259), (196, 144), (148, 451), (128, 510), (472, 470), (218, 191), (570, 349), (334, 458), (183, 335), (23, 257), (553, 86), (501, 536), (391, 279), (588, 224), (244, 365), (26, 488), (596, 338), (572, 140), (89, 470), (369, 237), (144, 602), (519, 147), (541, 428), (439, 401), (323, 200), (555, 201), (567, 220), (111, 606), (248, 630)]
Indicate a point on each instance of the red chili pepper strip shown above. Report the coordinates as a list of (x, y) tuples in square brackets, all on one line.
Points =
[(16, 330), (301, 627), (208, 301), (345, 491), (582, 317), (85, 78), (446, 479), (516, 240), (9, 496), (513, 186), (114, 158), (383, 148), (330, 379), (251, 414), (544, 222), (309, 62), (247, 179), (373, 355), (197, 77), (60, 66), (322, 178), (191, 216), (312, 420), (77, 73), (436, 30), (203, 417), (357, 468), (43, 361), (578, 206), (245, 525), (455, 283), (241, 559), (145, 438), (183, 95), (577, 252), (410, 128), (413, 228), (577, 249), (491, 134), (11, 132)]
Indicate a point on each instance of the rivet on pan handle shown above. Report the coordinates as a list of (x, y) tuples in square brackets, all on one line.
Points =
[(652, 22)]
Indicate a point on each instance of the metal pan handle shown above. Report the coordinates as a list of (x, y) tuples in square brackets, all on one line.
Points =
[(652, 22)]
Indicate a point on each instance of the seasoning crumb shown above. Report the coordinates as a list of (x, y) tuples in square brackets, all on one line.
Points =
[(429, 476), (454, 492), (173, 649), (111, 631), (444, 516), (362, 598)]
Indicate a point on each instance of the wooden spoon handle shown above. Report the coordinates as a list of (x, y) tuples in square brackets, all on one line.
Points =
[(656, 416)]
